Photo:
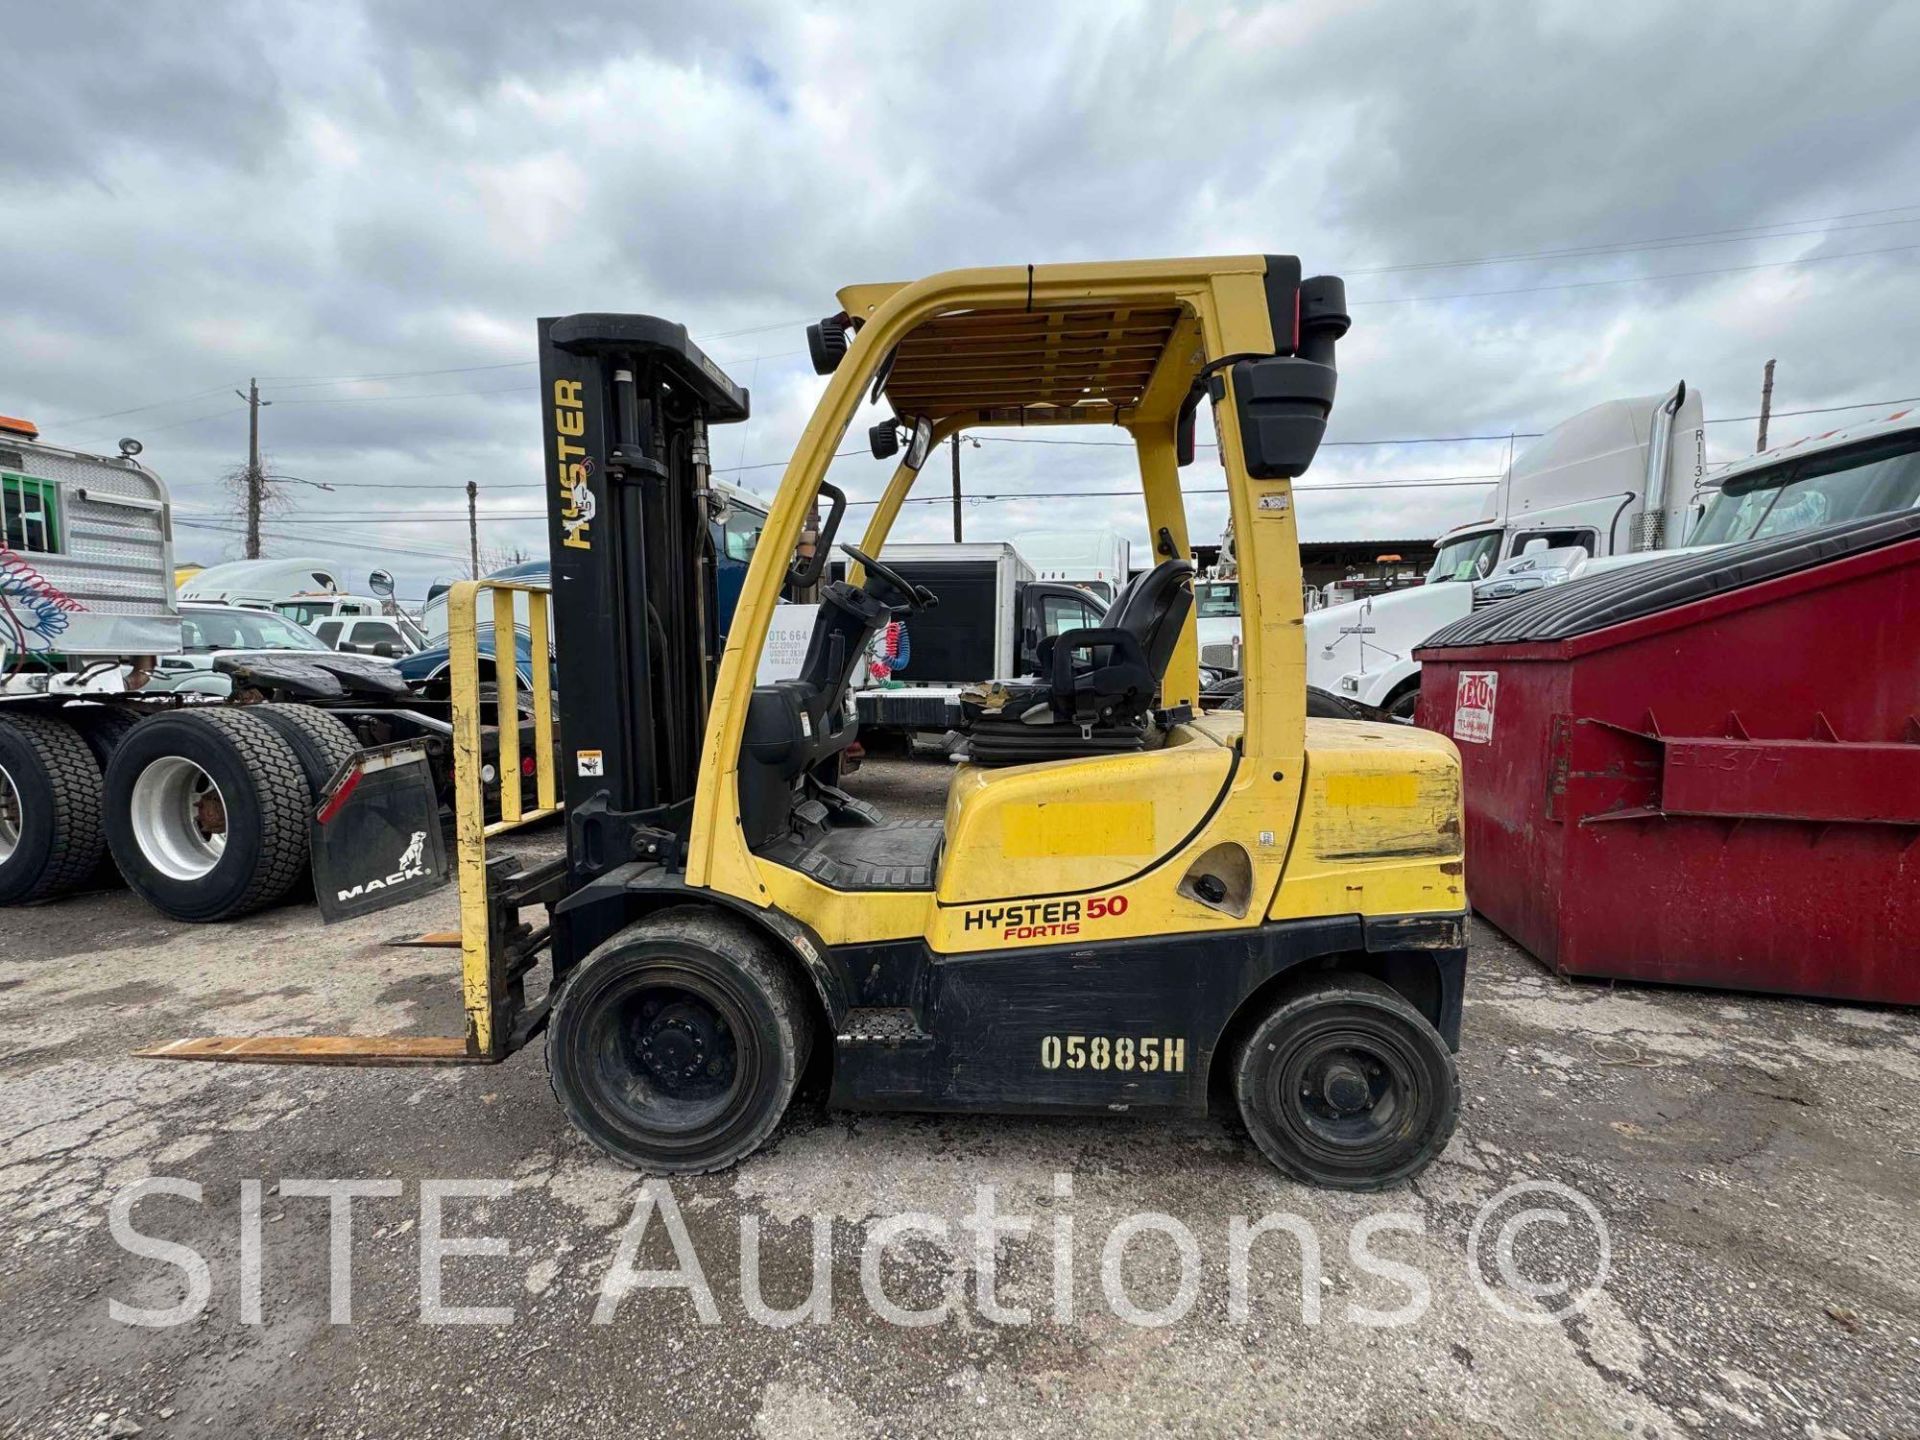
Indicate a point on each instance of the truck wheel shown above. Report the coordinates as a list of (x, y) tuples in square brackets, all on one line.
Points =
[(1402, 706), (1345, 1085), (50, 838), (320, 742), (676, 1045), (1325, 705), (206, 813), (102, 727)]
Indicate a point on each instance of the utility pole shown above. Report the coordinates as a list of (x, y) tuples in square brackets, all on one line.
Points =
[(956, 489), (473, 529), (1766, 407), (256, 480)]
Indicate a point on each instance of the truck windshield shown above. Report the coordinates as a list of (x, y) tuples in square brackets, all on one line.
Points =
[(1471, 557), (1872, 479), (305, 612), (1217, 599), (203, 630)]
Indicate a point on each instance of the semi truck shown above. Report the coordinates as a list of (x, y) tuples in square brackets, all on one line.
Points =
[(138, 748), (1625, 476), (1557, 518), (1098, 561)]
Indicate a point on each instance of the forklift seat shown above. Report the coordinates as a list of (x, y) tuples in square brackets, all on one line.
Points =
[(1099, 687)]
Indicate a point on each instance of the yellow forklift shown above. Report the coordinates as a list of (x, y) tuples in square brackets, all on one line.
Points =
[(1127, 906)]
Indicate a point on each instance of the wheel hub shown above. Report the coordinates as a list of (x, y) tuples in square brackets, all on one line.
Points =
[(679, 1044), (1343, 1085), (179, 818)]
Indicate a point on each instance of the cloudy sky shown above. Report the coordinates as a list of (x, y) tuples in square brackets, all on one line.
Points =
[(366, 205)]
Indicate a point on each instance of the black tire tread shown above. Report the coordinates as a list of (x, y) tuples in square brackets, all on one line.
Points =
[(103, 727), (758, 960), (321, 742), (1337, 987), (281, 788), (79, 840)]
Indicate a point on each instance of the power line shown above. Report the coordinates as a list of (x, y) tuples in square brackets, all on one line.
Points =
[(308, 382), (1638, 279), (138, 409), (1778, 230), (1818, 410), (367, 542), (426, 517), (421, 395), (193, 420), (1215, 444), (395, 375)]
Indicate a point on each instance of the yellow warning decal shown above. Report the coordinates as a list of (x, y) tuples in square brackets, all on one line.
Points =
[(1392, 792), (1084, 827)]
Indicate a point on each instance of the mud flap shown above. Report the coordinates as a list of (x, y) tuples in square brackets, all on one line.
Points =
[(375, 835)]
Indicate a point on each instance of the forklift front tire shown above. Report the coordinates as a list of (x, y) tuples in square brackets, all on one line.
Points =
[(1345, 1085), (676, 1045)]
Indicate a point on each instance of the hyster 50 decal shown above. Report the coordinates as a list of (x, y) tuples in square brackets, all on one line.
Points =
[(1040, 919)]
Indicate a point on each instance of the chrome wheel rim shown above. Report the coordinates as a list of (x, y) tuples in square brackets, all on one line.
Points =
[(10, 816), (179, 818)]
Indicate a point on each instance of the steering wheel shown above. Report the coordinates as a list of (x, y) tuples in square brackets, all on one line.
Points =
[(918, 596)]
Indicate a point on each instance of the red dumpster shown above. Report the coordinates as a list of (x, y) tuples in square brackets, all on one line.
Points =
[(1704, 769)]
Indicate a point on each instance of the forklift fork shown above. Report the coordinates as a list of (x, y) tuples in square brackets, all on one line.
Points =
[(497, 947)]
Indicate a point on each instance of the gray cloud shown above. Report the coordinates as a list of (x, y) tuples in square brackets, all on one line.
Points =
[(306, 192)]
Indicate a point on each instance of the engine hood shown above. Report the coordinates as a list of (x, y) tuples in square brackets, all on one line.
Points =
[(1363, 635), (313, 675)]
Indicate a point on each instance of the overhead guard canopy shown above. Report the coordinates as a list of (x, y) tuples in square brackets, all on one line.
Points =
[(1079, 364)]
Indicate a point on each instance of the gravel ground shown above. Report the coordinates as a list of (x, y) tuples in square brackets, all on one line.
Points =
[(1755, 1163)]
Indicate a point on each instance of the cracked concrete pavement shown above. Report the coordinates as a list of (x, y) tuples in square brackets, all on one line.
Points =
[(1756, 1163)]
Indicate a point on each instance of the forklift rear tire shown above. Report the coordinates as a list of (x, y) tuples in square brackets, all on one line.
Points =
[(206, 813), (50, 840), (677, 1044), (1346, 1085)]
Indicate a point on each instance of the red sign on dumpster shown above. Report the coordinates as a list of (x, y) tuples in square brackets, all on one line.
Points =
[(1473, 705)]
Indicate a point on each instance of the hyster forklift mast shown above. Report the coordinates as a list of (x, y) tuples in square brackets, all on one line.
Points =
[(627, 401), (1126, 905)]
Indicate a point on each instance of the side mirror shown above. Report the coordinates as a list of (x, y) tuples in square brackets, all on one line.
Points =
[(380, 582), (921, 444), (1283, 401)]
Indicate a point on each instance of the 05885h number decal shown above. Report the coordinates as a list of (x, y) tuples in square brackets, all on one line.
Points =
[(1113, 1052)]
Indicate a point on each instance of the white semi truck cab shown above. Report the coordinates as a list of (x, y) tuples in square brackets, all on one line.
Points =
[(1558, 515), (1625, 477)]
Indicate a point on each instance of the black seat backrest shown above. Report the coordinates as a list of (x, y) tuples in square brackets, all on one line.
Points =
[(1153, 607)]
